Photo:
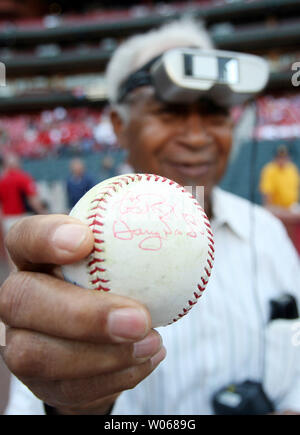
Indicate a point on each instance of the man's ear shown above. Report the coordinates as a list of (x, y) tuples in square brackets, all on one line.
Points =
[(118, 125)]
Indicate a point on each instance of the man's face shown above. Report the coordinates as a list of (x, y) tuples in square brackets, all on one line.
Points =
[(282, 160), (186, 143), (77, 168)]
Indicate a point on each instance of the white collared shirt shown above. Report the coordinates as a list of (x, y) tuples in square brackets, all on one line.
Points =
[(226, 337)]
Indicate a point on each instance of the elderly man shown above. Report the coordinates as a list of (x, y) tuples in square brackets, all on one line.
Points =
[(82, 352)]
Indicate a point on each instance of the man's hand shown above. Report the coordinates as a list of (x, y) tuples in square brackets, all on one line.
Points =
[(75, 349)]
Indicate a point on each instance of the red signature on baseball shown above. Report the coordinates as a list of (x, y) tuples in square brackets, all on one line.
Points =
[(156, 209)]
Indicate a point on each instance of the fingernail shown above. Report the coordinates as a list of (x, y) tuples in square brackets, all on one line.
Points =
[(148, 346), (127, 323), (156, 359), (69, 237)]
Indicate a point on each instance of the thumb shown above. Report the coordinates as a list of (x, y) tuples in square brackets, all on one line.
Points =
[(50, 239)]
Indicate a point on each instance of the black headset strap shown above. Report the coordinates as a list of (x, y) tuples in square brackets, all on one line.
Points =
[(141, 77)]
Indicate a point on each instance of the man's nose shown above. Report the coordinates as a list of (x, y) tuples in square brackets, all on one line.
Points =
[(195, 132)]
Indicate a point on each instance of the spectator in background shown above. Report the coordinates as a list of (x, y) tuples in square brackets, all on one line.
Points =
[(279, 182), (18, 193), (280, 187), (79, 182), (107, 169)]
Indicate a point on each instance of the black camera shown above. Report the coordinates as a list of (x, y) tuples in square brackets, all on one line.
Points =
[(249, 398), (284, 307)]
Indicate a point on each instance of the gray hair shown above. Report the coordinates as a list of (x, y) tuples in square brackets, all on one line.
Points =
[(139, 49)]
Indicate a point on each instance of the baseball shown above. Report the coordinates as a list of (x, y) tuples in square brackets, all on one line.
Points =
[(153, 243)]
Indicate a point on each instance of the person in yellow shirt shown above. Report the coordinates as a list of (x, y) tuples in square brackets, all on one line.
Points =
[(280, 181)]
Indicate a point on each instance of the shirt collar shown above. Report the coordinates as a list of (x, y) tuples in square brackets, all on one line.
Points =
[(232, 211)]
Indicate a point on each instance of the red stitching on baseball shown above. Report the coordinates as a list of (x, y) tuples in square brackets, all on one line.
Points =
[(95, 260), (211, 256), (95, 215), (96, 222), (97, 269), (209, 263), (130, 177), (100, 287), (99, 241), (207, 272), (97, 231), (97, 250), (95, 281)]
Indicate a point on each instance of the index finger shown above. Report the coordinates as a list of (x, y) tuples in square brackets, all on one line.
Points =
[(49, 239), (42, 303)]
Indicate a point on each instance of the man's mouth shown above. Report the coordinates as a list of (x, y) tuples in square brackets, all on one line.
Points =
[(195, 169)]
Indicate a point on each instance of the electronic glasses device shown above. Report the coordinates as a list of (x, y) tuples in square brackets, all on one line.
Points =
[(183, 75)]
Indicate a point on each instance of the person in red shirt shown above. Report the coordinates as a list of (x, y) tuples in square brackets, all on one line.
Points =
[(16, 189)]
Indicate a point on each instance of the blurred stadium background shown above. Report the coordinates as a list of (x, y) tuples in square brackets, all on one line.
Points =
[(53, 106)]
